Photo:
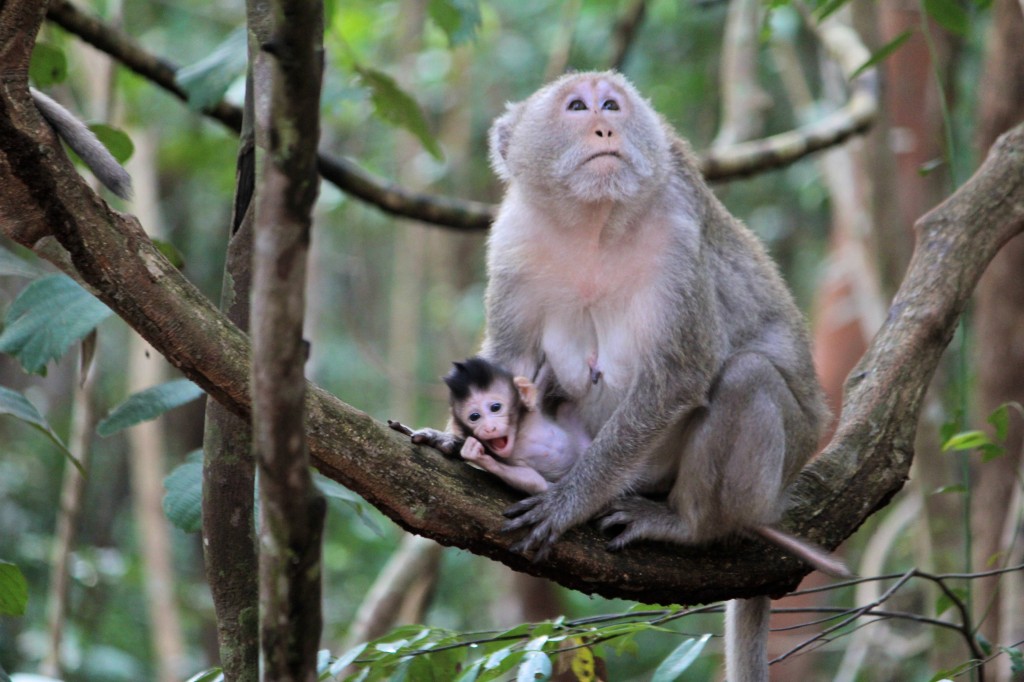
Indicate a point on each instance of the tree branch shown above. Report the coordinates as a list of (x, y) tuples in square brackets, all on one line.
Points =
[(865, 465)]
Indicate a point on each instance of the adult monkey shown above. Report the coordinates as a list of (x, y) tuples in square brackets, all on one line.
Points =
[(611, 258)]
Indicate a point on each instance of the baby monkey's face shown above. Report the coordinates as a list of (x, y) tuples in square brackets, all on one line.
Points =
[(491, 416)]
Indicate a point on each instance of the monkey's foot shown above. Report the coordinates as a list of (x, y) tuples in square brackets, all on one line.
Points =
[(642, 519)]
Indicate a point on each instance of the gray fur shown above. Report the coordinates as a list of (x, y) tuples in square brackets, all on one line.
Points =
[(631, 265), (85, 143)]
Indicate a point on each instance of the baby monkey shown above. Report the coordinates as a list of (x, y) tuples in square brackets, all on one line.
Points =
[(506, 433)]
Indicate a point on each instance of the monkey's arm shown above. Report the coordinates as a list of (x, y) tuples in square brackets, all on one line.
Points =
[(519, 477), (446, 442), (614, 464)]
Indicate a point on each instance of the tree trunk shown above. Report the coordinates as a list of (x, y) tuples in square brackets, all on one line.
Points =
[(998, 343), (286, 75)]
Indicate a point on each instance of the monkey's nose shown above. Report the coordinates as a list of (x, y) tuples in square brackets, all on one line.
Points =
[(603, 132)]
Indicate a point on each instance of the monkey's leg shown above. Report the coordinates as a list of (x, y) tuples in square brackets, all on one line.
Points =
[(734, 461), (732, 457)]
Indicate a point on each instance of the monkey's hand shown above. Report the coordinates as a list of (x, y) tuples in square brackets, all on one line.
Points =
[(547, 516), (444, 442), (473, 451)]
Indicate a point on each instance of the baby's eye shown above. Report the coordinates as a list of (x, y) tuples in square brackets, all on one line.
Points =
[(474, 416), (495, 407)]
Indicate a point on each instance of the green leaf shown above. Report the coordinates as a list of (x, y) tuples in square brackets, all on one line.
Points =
[(170, 252), (18, 406), (459, 19), (948, 430), (680, 659), (397, 107), (471, 673), (944, 601), (957, 488), (883, 52), (13, 590), (207, 80), (1016, 659), (115, 140), (183, 499), (47, 317), (966, 440), (1000, 421), (13, 265), (336, 491), (536, 667), (827, 7), (991, 451), (48, 65), (149, 404), (345, 659), (211, 675), (950, 15)]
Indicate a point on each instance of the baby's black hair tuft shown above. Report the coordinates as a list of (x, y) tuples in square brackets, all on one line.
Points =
[(473, 373)]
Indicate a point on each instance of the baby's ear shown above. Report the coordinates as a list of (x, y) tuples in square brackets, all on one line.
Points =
[(527, 392)]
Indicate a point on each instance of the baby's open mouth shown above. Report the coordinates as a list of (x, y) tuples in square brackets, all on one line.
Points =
[(498, 444)]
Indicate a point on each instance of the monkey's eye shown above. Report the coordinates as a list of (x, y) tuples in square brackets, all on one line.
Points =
[(474, 417), (495, 407), (610, 105), (577, 105)]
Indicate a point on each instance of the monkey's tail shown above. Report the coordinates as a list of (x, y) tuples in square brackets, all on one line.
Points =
[(85, 143), (806, 551), (746, 639)]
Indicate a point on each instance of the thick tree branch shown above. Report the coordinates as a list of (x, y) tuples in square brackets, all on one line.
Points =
[(454, 504), (722, 164)]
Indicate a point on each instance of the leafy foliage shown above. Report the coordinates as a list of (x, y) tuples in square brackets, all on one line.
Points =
[(680, 659), (13, 590), (48, 316), (208, 79), (16, 405), (459, 19), (397, 107), (149, 404), (183, 497), (115, 140), (48, 66)]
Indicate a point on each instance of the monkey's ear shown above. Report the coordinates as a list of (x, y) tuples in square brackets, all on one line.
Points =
[(527, 392), (499, 138)]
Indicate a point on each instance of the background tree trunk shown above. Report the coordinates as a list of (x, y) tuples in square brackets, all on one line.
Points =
[(999, 351)]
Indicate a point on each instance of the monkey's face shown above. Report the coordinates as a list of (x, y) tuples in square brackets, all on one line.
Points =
[(590, 135), (491, 416)]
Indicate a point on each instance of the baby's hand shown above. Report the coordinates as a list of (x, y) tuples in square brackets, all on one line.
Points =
[(473, 451)]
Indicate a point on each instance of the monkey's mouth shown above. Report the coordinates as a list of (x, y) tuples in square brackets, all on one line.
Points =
[(498, 445), (600, 155)]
